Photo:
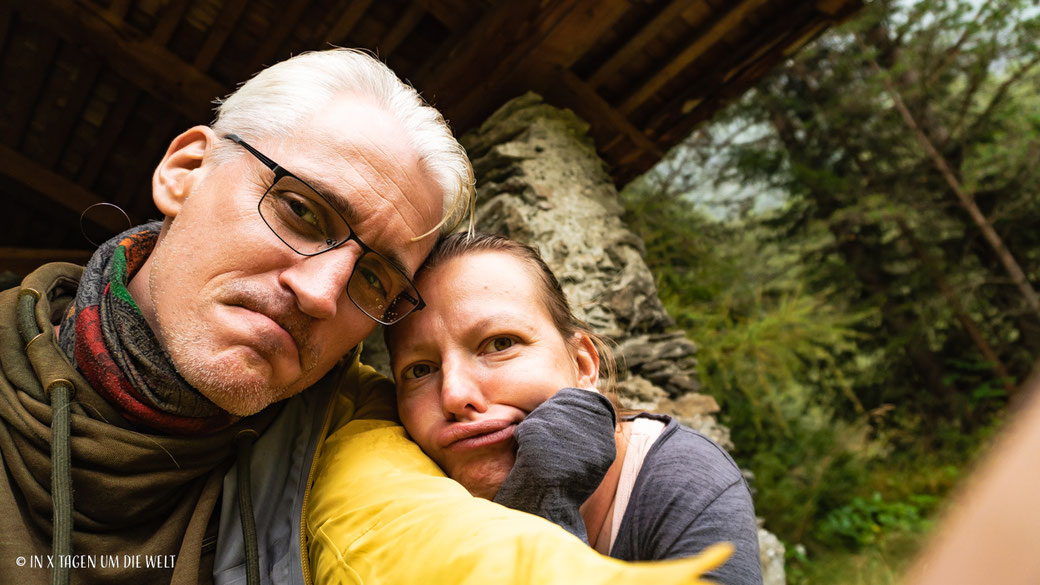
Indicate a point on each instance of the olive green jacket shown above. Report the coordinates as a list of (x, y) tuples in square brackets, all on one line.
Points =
[(137, 498)]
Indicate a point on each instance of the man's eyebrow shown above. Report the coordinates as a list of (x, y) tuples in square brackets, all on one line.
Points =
[(343, 206)]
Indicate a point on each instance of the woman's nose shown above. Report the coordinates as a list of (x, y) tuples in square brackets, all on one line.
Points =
[(461, 394)]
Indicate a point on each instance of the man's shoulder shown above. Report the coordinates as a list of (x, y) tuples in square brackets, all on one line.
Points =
[(45, 279), (53, 271)]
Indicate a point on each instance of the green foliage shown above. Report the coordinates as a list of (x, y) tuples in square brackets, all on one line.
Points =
[(882, 563), (863, 520), (862, 336), (777, 356)]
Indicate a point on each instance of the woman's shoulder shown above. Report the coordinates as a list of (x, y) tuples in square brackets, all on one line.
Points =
[(689, 494), (681, 452)]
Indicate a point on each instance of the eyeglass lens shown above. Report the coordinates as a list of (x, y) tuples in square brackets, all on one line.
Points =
[(307, 223)]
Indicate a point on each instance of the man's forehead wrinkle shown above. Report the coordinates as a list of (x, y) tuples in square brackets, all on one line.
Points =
[(401, 154), (405, 192), (366, 165), (342, 203), (412, 161), (392, 254)]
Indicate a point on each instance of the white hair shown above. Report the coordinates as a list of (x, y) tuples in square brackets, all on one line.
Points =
[(278, 98)]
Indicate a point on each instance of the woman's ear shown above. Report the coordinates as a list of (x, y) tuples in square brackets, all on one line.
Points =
[(586, 359), (181, 168)]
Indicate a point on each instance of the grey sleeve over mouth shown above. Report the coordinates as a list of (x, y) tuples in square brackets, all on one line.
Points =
[(565, 447)]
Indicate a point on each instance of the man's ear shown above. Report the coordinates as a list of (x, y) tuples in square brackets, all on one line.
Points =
[(181, 168), (586, 358)]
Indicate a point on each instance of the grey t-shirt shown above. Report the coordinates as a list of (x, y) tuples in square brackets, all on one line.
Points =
[(688, 495)]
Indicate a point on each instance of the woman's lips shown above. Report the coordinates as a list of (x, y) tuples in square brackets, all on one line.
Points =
[(473, 435)]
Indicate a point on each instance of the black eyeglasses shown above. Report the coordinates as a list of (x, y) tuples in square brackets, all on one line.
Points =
[(307, 222)]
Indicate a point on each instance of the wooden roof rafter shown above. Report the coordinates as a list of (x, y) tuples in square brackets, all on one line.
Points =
[(397, 34), (280, 29), (641, 73), (144, 62), (722, 25), (653, 28), (230, 12), (65, 192), (345, 23)]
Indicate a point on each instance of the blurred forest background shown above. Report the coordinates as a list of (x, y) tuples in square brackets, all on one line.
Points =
[(855, 247)]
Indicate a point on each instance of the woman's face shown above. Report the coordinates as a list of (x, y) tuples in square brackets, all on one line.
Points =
[(480, 357)]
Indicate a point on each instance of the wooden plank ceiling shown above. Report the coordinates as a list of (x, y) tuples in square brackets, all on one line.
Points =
[(92, 91)]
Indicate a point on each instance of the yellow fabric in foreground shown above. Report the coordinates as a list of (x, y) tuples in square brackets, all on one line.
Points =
[(381, 512)]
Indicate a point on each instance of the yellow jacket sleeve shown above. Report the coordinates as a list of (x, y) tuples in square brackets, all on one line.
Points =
[(381, 512)]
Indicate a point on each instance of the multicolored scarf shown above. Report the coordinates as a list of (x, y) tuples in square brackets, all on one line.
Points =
[(110, 342)]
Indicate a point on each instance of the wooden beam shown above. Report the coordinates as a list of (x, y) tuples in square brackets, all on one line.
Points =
[(483, 56), (86, 69), (732, 74), (219, 33), (345, 24), (808, 35), (489, 36), (68, 194), (719, 28), (119, 8), (31, 85), (634, 46), (833, 7), (577, 31), (742, 69), (273, 40), (584, 100), (404, 26), (171, 17), (145, 64), (470, 77), (25, 260), (111, 128), (455, 15), (5, 24), (135, 184)]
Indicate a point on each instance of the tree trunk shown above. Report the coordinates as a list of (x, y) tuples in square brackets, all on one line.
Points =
[(965, 199)]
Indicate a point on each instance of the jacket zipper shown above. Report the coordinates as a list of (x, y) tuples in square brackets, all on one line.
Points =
[(304, 557)]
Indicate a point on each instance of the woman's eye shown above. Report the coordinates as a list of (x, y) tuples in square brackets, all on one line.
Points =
[(501, 343), (417, 371)]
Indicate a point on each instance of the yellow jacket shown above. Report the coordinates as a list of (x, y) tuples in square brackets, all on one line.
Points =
[(380, 511)]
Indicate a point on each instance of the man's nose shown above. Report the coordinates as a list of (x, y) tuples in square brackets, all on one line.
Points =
[(461, 394), (320, 282)]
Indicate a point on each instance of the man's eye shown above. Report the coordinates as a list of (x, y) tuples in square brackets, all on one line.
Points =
[(417, 371), (297, 214), (303, 211), (373, 281), (500, 344)]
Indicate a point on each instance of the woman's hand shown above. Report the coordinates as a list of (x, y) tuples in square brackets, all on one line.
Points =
[(565, 447)]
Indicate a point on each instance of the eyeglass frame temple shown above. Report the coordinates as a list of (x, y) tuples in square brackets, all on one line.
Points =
[(275, 167)]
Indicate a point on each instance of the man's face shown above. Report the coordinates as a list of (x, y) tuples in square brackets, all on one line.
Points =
[(246, 320)]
